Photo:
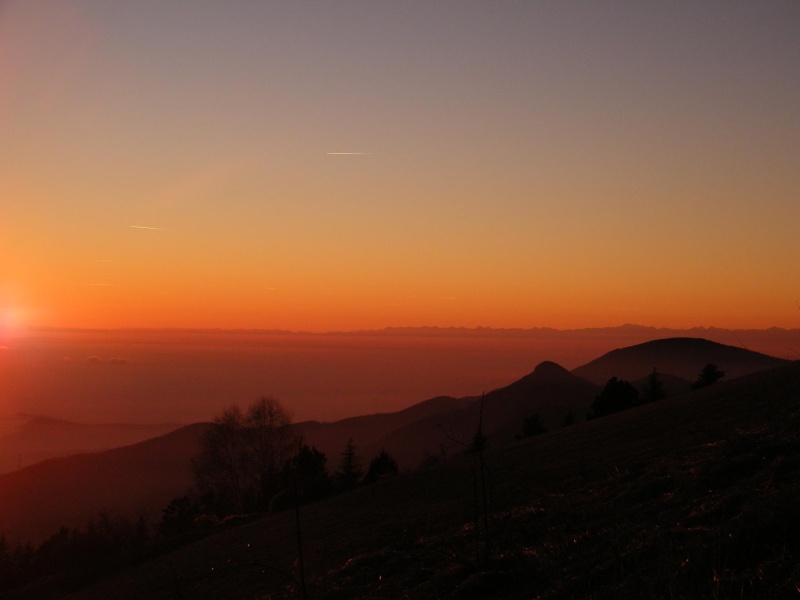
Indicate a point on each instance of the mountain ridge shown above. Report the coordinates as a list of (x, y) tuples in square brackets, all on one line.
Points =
[(42, 437), (682, 357), (140, 478)]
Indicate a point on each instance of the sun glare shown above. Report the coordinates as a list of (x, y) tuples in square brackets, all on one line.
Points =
[(11, 323)]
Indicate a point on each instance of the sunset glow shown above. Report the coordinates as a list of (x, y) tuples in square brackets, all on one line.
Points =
[(306, 299), (355, 166)]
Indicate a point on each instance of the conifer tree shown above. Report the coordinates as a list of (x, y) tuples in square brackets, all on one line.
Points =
[(616, 395), (381, 467), (654, 388), (533, 426), (569, 419), (708, 376), (349, 473)]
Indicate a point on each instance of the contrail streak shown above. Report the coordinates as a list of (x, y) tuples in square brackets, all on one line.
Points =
[(145, 227)]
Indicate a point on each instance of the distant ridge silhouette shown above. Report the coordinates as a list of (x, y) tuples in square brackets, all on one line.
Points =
[(131, 480), (681, 357), (40, 438), (549, 390)]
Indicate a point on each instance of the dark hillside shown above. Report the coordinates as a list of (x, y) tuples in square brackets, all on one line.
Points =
[(143, 478), (681, 357), (672, 386), (549, 390), (367, 430), (692, 497), (129, 481)]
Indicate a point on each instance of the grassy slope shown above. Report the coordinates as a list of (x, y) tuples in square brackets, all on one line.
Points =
[(690, 497)]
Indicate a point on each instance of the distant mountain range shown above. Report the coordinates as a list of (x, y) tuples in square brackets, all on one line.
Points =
[(142, 478)]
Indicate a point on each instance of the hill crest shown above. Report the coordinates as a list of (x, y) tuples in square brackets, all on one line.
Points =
[(682, 357)]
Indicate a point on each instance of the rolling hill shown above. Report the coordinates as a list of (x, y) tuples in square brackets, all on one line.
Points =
[(549, 390), (132, 480), (679, 357), (143, 478), (40, 438), (369, 430)]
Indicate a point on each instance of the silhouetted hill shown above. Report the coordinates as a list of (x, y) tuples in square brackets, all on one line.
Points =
[(40, 438), (549, 390), (681, 357), (146, 476), (366, 430), (691, 497), (128, 481)]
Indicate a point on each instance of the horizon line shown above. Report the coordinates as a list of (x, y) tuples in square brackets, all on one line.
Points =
[(399, 329)]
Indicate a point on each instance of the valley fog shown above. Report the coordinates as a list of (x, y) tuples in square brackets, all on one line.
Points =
[(158, 376)]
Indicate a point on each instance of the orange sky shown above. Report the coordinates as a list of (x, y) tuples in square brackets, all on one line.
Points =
[(515, 165)]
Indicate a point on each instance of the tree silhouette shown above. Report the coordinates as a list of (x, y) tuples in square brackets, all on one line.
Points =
[(178, 517), (708, 376), (654, 388), (242, 457), (617, 395), (271, 443), (533, 426), (309, 464), (349, 472), (220, 469), (381, 467)]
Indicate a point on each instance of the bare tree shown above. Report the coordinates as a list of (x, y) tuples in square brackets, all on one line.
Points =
[(221, 467), (242, 457), (270, 443)]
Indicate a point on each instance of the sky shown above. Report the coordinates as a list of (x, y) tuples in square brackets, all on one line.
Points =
[(355, 165)]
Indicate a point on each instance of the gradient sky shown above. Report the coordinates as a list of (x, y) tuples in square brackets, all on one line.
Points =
[(346, 165)]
